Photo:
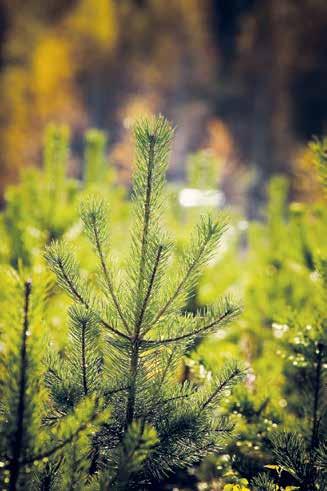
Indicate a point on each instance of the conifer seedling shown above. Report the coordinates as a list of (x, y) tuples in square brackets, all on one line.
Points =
[(129, 332), (33, 442), (301, 456)]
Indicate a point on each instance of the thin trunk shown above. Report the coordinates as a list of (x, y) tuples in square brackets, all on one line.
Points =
[(315, 411), (132, 390), (147, 213), (85, 388), (15, 463), (139, 301), (312, 475)]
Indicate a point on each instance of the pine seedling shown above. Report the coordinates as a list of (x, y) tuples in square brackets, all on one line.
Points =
[(36, 209), (319, 149), (21, 394), (32, 441), (300, 456), (203, 170), (55, 215), (94, 156), (56, 150), (144, 332)]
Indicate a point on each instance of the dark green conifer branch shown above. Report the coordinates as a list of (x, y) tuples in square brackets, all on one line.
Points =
[(204, 244), (223, 383), (147, 211)]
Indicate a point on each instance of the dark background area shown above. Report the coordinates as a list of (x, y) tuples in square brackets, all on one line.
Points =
[(251, 73)]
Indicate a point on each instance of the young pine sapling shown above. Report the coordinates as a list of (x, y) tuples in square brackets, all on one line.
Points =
[(129, 333)]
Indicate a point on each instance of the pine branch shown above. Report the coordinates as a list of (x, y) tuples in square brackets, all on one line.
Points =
[(147, 213), (208, 237), (64, 266), (230, 313), (94, 218), (290, 452), (225, 382), (152, 143), (56, 448), (150, 286), (113, 329), (152, 139), (110, 392), (262, 482)]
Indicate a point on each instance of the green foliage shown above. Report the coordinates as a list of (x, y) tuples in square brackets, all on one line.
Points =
[(281, 278), (138, 442), (128, 378), (319, 148), (37, 210), (296, 458), (56, 144), (263, 483), (296, 292), (21, 394), (143, 329), (203, 170), (95, 163), (32, 437)]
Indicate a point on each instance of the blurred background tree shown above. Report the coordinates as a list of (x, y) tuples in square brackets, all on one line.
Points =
[(246, 72)]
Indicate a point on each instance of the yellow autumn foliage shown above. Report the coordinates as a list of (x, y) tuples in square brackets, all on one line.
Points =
[(95, 20), (39, 85)]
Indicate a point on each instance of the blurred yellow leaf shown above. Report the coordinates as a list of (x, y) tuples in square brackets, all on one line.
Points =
[(95, 20)]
